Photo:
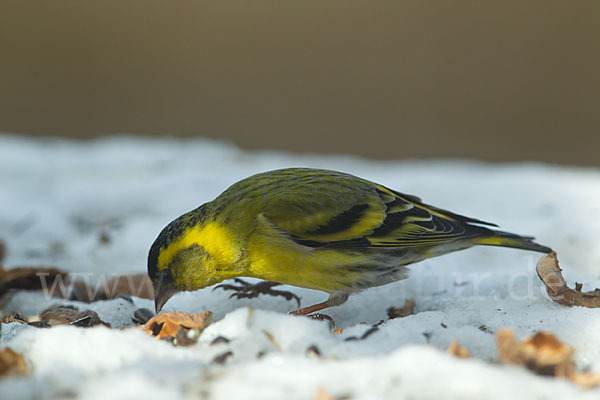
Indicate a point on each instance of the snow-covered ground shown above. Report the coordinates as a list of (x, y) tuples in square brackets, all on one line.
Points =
[(94, 208)]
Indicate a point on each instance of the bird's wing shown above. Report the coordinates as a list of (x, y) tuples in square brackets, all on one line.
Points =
[(369, 219), (327, 216), (411, 223)]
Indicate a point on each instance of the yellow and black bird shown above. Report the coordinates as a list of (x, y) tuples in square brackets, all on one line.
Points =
[(312, 228)]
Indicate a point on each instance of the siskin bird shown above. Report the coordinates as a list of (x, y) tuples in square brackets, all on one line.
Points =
[(311, 228)]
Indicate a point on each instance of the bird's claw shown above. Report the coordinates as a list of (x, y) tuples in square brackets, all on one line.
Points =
[(245, 290), (323, 317)]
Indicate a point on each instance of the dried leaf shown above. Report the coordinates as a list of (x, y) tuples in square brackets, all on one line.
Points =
[(12, 363), (29, 278), (507, 347), (14, 317), (89, 318), (457, 350), (543, 354), (585, 379), (544, 350), (179, 327), (550, 273), (61, 315), (322, 394), (400, 312)]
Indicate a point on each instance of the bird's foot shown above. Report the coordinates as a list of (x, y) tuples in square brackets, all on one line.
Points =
[(245, 290), (333, 300), (323, 317)]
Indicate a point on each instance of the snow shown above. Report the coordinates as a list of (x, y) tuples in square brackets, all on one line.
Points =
[(60, 197)]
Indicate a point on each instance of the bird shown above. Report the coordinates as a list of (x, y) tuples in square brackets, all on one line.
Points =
[(312, 228)]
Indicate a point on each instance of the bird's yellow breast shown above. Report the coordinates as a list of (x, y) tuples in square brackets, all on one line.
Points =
[(275, 260)]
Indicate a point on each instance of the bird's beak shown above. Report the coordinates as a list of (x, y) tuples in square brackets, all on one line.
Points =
[(164, 289)]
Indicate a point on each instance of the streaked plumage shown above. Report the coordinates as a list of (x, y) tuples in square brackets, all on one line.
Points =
[(311, 228)]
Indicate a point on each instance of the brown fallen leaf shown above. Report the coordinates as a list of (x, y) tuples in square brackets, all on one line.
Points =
[(29, 278), (400, 312), (543, 354), (87, 319), (457, 350), (550, 273), (14, 317), (180, 328), (59, 315), (322, 394), (12, 363), (585, 379)]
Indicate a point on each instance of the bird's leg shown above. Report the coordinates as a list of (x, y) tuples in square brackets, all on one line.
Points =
[(246, 290), (311, 309), (333, 300)]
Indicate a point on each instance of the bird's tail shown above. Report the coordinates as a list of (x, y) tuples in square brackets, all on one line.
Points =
[(506, 239)]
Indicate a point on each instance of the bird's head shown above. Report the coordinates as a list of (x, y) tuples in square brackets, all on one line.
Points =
[(190, 253)]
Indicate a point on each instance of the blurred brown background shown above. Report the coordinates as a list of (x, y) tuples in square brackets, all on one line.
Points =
[(496, 80)]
